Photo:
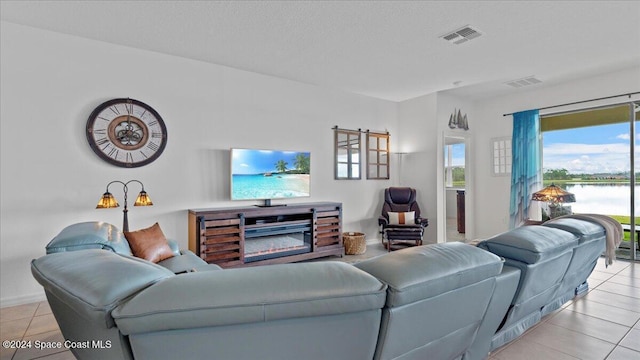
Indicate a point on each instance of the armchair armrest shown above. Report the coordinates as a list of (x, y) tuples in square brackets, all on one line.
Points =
[(422, 221), (382, 221)]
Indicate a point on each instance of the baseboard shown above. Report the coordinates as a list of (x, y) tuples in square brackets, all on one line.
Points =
[(372, 241), (21, 300)]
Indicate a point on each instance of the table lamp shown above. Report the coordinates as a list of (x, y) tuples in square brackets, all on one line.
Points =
[(554, 196)]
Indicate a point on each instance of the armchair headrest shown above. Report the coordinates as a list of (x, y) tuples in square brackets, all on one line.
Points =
[(400, 195), (400, 199)]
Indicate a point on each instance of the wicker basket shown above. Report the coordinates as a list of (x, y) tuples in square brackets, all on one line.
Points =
[(354, 243)]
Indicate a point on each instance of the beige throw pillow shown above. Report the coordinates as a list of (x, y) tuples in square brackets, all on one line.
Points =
[(402, 218), (149, 244)]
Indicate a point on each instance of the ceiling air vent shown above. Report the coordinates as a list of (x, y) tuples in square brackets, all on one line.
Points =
[(462, 35), (529, 80)]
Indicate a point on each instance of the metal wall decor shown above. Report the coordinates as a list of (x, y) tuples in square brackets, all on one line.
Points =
[(457, 120)]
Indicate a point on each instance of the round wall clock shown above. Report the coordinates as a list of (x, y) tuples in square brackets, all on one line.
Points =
[(126, 132)]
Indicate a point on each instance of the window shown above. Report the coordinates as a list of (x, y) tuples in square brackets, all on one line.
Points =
[(454, 160), (501, 148)]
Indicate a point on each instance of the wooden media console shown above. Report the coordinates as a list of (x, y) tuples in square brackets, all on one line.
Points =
[(248, 236)]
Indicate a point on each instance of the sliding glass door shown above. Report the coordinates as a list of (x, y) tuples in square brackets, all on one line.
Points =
[(592, 154), (634, 230)]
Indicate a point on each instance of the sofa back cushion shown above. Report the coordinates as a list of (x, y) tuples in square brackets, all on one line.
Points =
[(530, 244), (425, 271), (251, 295), (584, 230)]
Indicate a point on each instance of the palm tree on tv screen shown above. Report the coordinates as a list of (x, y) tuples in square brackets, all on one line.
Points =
[(281, 166), (302, 163)]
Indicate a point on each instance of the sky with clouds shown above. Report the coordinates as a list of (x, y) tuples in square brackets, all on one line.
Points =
[(589, 150)]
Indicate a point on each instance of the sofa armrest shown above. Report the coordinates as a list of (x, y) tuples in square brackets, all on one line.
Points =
[(175, 248), (187, 261), (250, 295), (89, 235), (94, 281)]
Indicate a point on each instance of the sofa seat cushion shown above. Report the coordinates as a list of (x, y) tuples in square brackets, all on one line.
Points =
[(425, 271), (251, 295), (94, 281), (585, 230), (89, 235), (530, 244)]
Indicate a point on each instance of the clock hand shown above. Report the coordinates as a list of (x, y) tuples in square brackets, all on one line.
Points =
[(129, 110)]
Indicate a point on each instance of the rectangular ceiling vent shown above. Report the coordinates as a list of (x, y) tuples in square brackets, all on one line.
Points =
[(529, 80), (462, 35)]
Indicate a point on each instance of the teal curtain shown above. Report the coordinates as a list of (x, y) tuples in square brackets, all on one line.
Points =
[(526, 164)]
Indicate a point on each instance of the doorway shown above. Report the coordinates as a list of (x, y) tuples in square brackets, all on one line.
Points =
[(455, 194)]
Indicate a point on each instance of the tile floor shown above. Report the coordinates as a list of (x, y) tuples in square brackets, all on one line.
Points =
[(452, 231), (603, 324)]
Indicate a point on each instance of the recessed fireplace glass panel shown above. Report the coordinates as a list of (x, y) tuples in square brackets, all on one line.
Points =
[(272, 246)]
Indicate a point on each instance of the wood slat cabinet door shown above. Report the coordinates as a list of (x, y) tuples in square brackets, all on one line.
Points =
[(328, 228), (222, 241)]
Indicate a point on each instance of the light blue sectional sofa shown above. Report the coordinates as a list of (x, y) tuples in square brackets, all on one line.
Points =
[(553, 260), (444, 301)]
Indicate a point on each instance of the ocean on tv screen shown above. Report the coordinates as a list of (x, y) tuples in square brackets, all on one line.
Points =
[(270, 186)]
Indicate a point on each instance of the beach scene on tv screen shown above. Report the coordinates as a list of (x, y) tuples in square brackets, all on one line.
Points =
[(269, 174)]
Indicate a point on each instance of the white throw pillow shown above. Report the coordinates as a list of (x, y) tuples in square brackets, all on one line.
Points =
[(402, 218)]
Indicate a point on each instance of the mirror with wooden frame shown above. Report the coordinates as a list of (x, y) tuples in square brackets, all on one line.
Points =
[(347, 154), (378, 155)]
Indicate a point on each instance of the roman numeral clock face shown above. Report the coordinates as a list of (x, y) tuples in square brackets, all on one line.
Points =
[(126, 132)]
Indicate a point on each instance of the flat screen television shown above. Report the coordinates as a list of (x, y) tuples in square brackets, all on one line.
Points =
[(269, 174)]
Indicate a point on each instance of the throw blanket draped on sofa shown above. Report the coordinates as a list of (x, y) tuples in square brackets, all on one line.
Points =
[(612, 227)]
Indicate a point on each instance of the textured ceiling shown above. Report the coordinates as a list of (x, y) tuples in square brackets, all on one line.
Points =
[(385, 49)]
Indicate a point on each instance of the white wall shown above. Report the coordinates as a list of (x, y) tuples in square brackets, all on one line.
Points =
[(423, 125), (418, 141), (492, 202), (50, 178)]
